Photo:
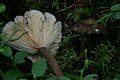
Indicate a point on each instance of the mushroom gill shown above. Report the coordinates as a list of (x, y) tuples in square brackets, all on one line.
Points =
[(43, 31)]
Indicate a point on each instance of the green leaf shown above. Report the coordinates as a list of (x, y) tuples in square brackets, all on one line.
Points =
[(56, 4), (19, 57), (104, 17), (115, 7), (2, 50), (7, 51), (1, 73), (2, 36), (2, 8), (63, 78), (22, 79), (71, 76), (39, 67), (90, 77), (1, 23), (116, 79), (69, 15), (12, 75), (117, 15), (51, 78)]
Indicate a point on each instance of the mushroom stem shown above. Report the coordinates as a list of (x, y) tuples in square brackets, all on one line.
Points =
[(43, 52)]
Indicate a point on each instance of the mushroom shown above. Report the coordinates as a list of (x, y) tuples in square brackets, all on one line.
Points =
[(87, 27), (42, 38)]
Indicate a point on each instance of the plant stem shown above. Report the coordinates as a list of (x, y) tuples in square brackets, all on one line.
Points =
[(14, 64), (34, 77), (85, 65), (5, 16)]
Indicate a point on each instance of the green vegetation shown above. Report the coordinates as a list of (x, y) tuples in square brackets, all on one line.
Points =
[(101, 52)]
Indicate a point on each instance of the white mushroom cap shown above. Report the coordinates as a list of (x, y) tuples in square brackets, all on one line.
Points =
[(43, 31)]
